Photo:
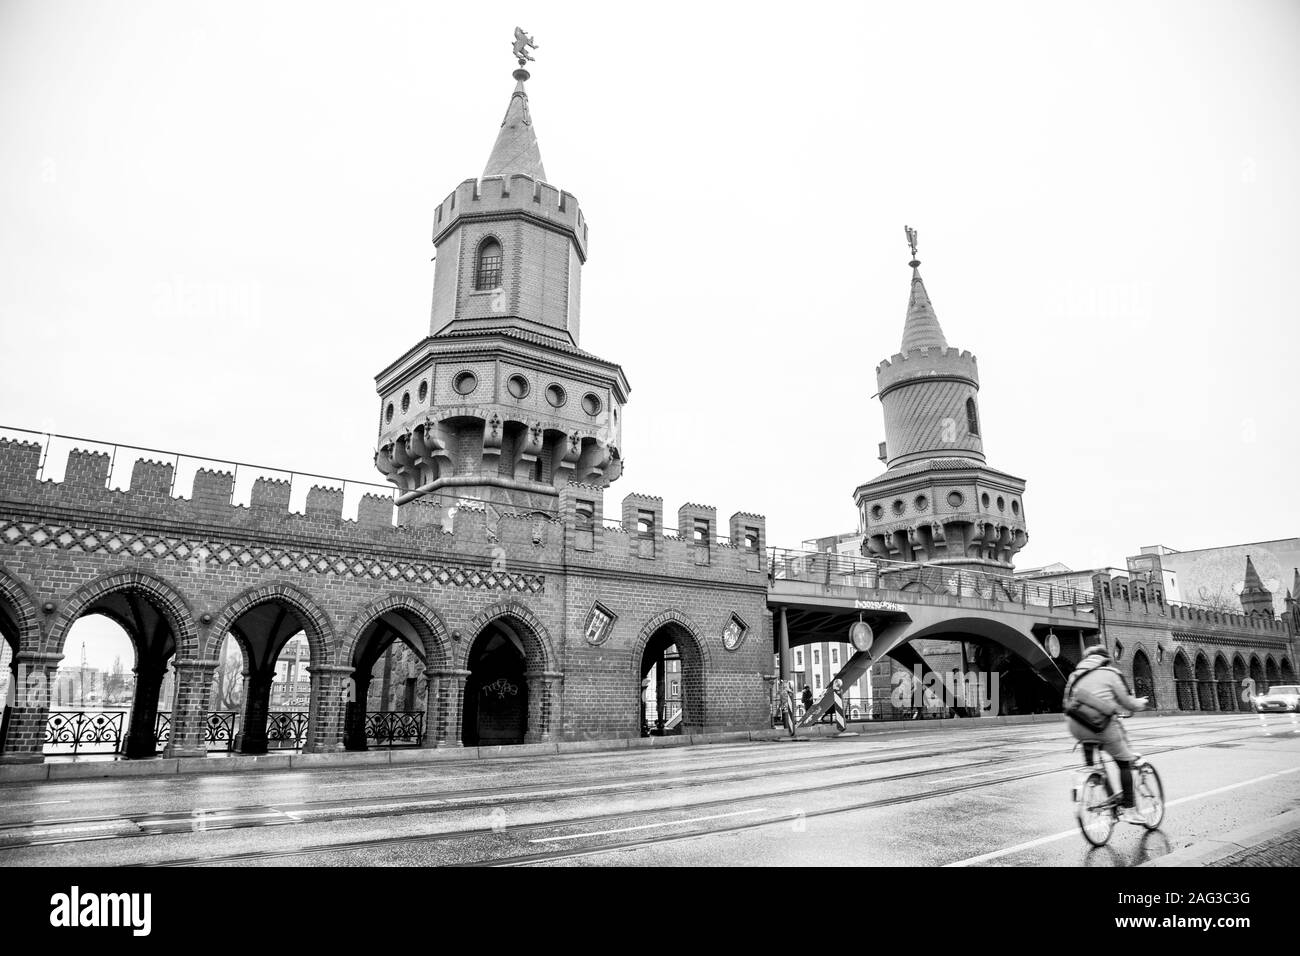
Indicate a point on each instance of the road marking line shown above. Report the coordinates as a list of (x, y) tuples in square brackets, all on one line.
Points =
[(1007, 851), (649, 826)]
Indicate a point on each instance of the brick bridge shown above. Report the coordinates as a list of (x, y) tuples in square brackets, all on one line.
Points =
[(561, 612), (557, 613)]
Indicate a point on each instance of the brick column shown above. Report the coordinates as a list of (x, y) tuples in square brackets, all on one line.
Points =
[(142, 738), (190, 709), (257, 702), (444, 705), (25, 733), (354, 714), (329, 695), (543, 705)]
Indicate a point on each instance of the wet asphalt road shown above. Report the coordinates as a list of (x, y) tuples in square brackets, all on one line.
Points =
[(992, 796)]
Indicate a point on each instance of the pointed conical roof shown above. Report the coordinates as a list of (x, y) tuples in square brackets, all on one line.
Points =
[(921, 330), (516, 149), (1253, 582), (1295, 586)]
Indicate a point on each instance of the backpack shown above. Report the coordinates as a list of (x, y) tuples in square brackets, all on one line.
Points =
[(1087, 715)]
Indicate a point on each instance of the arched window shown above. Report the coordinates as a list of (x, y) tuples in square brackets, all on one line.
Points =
[(488, 273), (972, 417)]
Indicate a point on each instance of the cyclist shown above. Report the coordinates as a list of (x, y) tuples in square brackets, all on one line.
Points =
[(1094, 694)]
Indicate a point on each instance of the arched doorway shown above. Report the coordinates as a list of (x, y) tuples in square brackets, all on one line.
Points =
[(1144, 684), (1286, 674), (118, 637), (1271, 677), (280, 634), (1239, 675), (1256, 674), (1184, 682), (670, 683), (389, 699), (1223, 684), (1204, 683), (496, 691)]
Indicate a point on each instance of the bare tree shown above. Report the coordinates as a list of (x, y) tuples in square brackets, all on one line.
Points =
[(228, 679)]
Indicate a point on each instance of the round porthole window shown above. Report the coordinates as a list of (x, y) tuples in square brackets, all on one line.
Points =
[(591, 404), (388, 415), (424, 391), (556, 395), (517, 385), (1002, 503), (877, 512), (922, 502), (899, 507), (984, 499), (465, 382), (1015, 508), (406, 401), (955, 499)]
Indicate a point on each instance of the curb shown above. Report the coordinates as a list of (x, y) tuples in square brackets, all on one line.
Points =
[(1243, 838), (350, 760)]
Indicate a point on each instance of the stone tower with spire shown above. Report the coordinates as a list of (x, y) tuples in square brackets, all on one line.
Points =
[(1256, 600), (499, 402), (938, 501)]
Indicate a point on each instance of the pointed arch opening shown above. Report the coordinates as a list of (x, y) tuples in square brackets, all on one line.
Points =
[(1204, 683), (670, 664), (1184, 682), (1223, 685), (396, 640), (1239, 675), (280, 633), (1144, 684)]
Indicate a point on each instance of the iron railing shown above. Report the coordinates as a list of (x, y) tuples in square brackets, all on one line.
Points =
[(85, 731), (395, 728), (848, 570), (286, 730)]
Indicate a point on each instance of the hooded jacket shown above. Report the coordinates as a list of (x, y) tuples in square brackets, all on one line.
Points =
[(1097, 691)]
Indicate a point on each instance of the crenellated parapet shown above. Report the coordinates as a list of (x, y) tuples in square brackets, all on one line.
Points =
[(152, 519), (497, 197), (931, 362), (1140, 598)]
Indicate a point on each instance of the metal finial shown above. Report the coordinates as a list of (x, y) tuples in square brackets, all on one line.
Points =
[(911, 241), (522, 44)]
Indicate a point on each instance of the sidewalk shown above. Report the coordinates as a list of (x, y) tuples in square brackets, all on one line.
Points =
[(1274, 842)]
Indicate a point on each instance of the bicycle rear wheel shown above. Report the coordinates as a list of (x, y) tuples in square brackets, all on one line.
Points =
[(1149, 796), (1095, 815)]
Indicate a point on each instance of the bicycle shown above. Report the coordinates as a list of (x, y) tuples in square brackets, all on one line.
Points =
[(1096, 807)]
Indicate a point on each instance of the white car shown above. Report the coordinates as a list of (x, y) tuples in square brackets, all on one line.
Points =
[(1284, 698)]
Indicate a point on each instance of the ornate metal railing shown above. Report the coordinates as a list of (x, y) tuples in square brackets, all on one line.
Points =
[(286, 730), (220, 729), (85, 731), (395, 728)]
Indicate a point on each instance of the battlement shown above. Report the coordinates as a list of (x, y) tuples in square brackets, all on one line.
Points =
[(1139, 597), (468, 529), (494, 196), (926, 363)]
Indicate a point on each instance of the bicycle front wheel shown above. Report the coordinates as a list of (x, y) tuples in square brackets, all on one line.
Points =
[(1093, 810), (1149, 795)]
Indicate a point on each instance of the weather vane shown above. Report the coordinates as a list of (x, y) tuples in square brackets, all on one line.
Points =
[(522, 43), (911, 241)]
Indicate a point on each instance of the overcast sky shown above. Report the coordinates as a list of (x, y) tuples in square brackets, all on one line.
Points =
[(215, 229)]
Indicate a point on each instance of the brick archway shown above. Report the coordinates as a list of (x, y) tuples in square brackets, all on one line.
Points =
[(315, 623), (427, 622), (673, 627), (26, 629), (539, 650), (158, 592)]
